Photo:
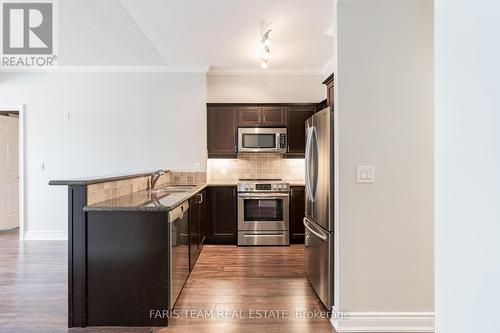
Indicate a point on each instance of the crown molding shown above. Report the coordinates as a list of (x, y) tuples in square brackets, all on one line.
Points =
[(108, 69), (228, 71)]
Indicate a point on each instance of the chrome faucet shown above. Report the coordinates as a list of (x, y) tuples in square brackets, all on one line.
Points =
[(154, 178)]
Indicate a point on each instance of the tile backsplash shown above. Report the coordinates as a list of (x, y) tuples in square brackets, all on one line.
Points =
[(256, 166), (112, 189)]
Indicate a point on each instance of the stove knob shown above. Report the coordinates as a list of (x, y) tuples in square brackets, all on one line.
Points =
[(275, 187), (246, 187), (279, 186)]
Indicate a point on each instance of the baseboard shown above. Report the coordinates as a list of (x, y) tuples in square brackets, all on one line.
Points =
[(385, 322), (45, 235), (9, 228)]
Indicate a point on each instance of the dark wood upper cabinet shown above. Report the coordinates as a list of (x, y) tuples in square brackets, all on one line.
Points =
[(221, 131), (273, 116), (297, 209), (223, 121), (249, 116), (296, 129), (261, 116), (223, 210), (329, 90)]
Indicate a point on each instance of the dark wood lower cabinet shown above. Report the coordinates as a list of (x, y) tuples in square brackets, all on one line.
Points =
[(197, 228), (127, 268), (223, 215), (297, 209)]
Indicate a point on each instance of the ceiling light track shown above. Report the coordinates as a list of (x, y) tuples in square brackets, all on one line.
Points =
[(266, 48)]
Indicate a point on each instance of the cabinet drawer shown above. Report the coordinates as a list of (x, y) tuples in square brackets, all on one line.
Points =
[(263, 238)]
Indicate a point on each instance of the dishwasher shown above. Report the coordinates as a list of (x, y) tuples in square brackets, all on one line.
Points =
[(178, 221)]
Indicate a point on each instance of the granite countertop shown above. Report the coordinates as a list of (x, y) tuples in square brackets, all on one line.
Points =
[(235, 182), (296, 182), (98, 179), (145, 201), (222, 183)]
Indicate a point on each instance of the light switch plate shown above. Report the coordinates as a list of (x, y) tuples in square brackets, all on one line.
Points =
[(365, 174)]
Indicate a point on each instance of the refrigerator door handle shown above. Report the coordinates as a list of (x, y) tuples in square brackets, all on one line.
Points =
[(317, 234), (308, 158)]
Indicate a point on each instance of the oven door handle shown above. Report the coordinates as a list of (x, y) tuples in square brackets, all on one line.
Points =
[(265, 196), (317, 234)]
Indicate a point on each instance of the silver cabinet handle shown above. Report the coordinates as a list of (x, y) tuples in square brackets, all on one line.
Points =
[(263, 195), (320, 236), (200, 196)]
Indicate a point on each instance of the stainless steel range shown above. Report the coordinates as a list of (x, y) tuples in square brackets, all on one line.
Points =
[(263, 212)]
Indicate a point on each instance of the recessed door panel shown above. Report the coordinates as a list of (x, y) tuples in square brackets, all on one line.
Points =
[(9, 172)]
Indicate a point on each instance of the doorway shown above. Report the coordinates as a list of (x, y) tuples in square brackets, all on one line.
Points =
[(11, 193)]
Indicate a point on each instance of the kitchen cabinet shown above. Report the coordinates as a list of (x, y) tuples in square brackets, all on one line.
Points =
[(223, 121), (329, 90), (249, 116), (296, 132), (273, 116), (297, 209), (197, 226), (261, 116), (221, 131), (125, 251), (223, 210)]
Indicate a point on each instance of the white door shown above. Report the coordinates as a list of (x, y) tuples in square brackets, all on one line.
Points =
[(9, 172)]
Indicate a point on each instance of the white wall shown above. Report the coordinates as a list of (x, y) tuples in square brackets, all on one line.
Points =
[(385, 119), (271, 88), (467, 166), (119, 123)]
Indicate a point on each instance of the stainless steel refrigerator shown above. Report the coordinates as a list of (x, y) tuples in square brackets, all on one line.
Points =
[(319, 212)]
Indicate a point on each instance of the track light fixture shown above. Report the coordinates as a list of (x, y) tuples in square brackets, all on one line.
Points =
[(266, 43)]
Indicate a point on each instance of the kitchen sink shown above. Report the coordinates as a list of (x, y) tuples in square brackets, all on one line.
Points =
[(172, 189), (178, 187)]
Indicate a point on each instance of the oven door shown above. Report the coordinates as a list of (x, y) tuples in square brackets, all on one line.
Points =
[(261, 140), (263, 211)]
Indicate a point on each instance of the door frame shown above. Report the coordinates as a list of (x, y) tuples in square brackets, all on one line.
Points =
[(20, 109)]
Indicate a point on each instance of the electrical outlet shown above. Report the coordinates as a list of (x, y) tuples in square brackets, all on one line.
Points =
[(365, 174)]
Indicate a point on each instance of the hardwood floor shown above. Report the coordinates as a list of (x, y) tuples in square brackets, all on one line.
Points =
[(229, 288), (33, 285)]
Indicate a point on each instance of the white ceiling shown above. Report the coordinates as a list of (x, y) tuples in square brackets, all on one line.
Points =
[(96, 32), (226, 33)]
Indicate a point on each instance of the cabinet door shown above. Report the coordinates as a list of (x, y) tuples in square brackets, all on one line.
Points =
[(203, 218), (296, 129), (194, 230), (330, 94), (223, 223), (273, 116), (297, 209), (249, 116), (221, 131), (329, 82)]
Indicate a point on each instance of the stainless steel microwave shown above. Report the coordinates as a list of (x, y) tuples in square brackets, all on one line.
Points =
[(262, 140)]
